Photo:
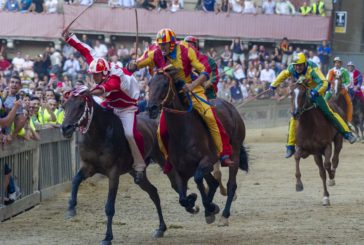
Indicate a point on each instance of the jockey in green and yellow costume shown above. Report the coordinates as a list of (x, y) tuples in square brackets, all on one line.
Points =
[(317, 84)]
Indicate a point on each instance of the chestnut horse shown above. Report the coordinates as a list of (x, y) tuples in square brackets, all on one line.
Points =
[(314, 136)]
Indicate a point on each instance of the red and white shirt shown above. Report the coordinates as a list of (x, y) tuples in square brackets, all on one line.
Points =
[(121, 88)]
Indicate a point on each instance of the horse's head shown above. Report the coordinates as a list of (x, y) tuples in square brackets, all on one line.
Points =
[(78, 111), (299, 98), (161, 90), (337, 84)]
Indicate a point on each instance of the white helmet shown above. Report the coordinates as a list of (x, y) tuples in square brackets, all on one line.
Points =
[(99, 65)]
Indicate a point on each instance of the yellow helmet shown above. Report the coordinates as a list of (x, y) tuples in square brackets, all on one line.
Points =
[(299, 58)]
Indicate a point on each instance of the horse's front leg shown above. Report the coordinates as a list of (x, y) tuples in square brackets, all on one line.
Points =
[(299, 184), (153, 194), (77, 179), (327, 164), (110, 205), (210, 208), (319, 162), (338, 144)]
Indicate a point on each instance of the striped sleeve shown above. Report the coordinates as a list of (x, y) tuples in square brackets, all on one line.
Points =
[(320, 80), (199, 62), (85, 50)]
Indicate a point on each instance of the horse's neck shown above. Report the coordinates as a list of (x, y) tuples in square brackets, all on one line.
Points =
[(98, 126), (308, 121)]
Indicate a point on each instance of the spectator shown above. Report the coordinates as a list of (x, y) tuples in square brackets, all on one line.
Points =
[(39, 66), (123, 54), (56, 61), (223, 6), (114, 3), (100, 49), (86, 40), (86, 2), (285, 7), (239, 74), (253, 54), (224, 92), (71, 67), (67, 50), (208, 5), (18, 62), (236, 6), (37, 6), (127, 3), (226, 55), (324, 53), (305, 9), (4, 64), (268, 7), (318, 7), (174, 6), (25, 5), (229, 69), (236, 94), (12, 6), (249, 7), (315, 59), (284, 49), (267, 75), (162, 4), (10, 188), (237, 49), (51, 6), (28, 67)]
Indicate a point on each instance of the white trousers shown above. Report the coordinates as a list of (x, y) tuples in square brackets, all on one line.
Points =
[(128, 119)]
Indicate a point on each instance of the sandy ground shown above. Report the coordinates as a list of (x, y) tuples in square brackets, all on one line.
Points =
[(268, 210)]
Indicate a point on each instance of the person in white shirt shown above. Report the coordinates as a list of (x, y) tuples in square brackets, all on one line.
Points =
[(51, 6), (28, 67), (249, 7), (18, 62), (267, 75), (285, 7), (314, 58), (236, 6), (127, 3), (268, 6), (86, 2), (71, 67), (100, 49)]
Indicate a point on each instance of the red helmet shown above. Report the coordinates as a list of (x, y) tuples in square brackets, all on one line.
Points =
[(191, 39), (99, 65)]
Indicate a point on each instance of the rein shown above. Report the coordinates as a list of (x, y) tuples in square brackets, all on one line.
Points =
[(172, 92), (83, 124)]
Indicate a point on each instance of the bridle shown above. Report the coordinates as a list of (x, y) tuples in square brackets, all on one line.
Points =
[(308, 105), (171, 94), (83, 124)]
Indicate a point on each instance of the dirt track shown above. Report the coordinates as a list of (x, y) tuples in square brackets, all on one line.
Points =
[(268, 209)]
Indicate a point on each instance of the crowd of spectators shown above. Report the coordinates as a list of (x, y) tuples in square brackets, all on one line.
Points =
[(280, 7)]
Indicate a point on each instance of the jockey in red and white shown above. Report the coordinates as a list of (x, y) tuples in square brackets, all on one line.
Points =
[(356, 81), (121, 92)]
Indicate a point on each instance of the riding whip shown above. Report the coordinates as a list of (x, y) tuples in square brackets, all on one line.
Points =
[(78, 16), (255, 97)]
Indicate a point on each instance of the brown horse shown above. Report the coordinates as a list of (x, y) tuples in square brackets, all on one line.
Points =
[(358, 116), (191, 149), (105, 150), (314, 136)]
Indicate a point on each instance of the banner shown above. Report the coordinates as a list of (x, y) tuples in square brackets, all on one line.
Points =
[(341, 19)]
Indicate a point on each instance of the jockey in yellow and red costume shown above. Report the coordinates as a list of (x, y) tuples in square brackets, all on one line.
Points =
[(186, 58)]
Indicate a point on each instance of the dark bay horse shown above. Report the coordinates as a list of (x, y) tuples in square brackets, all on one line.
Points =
[(105, 150), (358, 116), (314, 136), (191, 148)]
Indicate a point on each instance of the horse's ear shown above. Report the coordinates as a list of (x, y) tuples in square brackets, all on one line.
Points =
[(66, 95)]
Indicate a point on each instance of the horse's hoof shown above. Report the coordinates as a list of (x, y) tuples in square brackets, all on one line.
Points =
[(158, 233), (70, 214), (299, 187), (235, 197), (104, 242), (210, 219), (325, 201), (223, 222), (196, 209), (331, 182)]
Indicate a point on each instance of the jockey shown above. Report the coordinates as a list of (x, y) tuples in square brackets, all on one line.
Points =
[(121, 94), (340, 72), (211, 85), (356, 81), (317, 85), (182, 55)]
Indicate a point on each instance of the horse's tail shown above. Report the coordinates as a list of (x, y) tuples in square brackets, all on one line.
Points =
[(243, 159)]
